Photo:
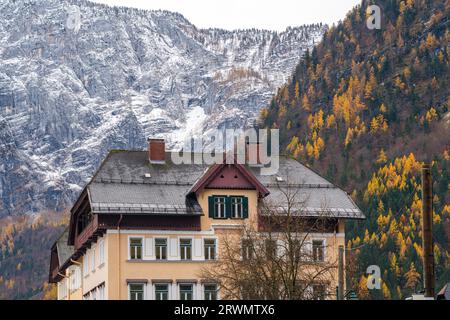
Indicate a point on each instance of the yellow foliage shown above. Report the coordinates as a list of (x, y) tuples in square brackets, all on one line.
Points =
[(412, 277), (370, 85), (418, 249), (382, 157), (385, 290), (331, 121), (378, 123), (431, 115), (298, 150), (263, 114), (309, 149), (363, 291), (349, 136), (50, 292), (348, 105), (305, 103)]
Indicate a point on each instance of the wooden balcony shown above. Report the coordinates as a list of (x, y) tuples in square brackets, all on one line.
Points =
[(90, 233)]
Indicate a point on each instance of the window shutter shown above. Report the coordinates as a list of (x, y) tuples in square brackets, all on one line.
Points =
[(245, 205), (197, 249), (149, 249), (211, 206), (172, 250), (228, 207)]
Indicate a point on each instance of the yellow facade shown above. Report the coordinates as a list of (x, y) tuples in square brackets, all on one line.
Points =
[(107, 269)]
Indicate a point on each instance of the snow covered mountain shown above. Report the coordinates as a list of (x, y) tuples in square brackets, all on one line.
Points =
[(69, 93)]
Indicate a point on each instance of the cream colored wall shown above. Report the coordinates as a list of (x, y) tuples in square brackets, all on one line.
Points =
[(118, 273), (206, 222), (121, 269), (95, 277), (71, 293), (118, 268)]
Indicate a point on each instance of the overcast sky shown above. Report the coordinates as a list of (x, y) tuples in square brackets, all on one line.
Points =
[(243, 14)]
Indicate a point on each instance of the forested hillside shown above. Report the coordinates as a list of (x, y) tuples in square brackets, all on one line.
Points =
[(25, 254), (365, 108)]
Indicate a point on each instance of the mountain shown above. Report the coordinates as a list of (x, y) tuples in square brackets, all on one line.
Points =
[(69, 95), (366, 108)]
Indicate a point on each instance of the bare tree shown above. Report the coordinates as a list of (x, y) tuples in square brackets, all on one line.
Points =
[(273, 257)]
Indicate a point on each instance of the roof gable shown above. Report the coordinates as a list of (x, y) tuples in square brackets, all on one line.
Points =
[(229, 176)]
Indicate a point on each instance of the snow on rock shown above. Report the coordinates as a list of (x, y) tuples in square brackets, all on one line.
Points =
[(67, 98)]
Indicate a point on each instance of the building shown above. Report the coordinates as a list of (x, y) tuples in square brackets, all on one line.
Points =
[(143, 227), (444, 294)]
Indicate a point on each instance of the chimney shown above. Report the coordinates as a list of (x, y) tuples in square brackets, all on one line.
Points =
[(156, 151)]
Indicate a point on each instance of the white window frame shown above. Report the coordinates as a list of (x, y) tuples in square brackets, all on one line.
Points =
[(142, 247), (324, 245), (101, 291), (144, 290), (186, 284), (86, 264), (192, 247), (160, 284), (156, 249), (93, 259), (220, 214), (101, 252), (235, 206), (204, 290), (204, 248)]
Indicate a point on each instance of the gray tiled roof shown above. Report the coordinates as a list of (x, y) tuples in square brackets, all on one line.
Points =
[(444, 294), (63, 249), (121, 185), (141, 198)]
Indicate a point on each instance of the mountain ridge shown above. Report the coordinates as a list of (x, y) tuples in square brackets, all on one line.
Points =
[(68, 97)]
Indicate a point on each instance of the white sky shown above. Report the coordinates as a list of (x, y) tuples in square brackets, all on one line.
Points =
[(244, 14)]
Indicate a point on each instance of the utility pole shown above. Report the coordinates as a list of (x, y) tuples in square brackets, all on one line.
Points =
[(341, 274), (427, 233)]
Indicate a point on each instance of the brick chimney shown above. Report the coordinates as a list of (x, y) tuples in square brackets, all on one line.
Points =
[(156, 150)]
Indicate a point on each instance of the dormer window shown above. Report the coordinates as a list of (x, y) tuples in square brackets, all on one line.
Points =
[(228, 207), (219, 208), (237, 207)]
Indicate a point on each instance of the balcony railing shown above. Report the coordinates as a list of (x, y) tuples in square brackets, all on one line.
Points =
[(87, 233)]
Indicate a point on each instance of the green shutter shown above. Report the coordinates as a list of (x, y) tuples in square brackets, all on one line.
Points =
[(228, 207), (211, 206), (245, 205)]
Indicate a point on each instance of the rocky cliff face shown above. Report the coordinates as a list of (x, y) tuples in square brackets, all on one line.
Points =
[(67, 96)]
